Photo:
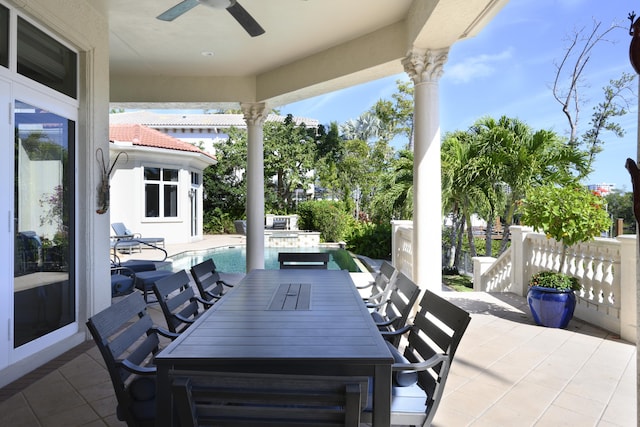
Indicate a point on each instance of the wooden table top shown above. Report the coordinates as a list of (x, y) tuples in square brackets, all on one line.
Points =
[(282, 316)]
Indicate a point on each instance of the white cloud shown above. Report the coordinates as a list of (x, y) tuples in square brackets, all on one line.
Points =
[(476, 67)]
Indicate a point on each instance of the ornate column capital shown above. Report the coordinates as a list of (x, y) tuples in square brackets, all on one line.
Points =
[(254, 113), (425, 65)]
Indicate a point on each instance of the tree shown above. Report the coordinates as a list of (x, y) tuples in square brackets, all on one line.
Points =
[(620, 205), (568, 86), (524, 158), (289, 152), (396, 115), (393, 198), (462, 186), (570, 214)]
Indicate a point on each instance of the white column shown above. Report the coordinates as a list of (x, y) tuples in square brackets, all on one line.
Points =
[(254, 116), (424, 67)]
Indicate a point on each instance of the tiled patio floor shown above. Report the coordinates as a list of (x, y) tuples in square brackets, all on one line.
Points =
[(507, 372)]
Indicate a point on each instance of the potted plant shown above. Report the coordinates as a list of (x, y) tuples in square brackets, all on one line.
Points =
[(570, 215)]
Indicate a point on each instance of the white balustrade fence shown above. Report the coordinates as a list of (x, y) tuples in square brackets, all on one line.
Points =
[(606, 269)]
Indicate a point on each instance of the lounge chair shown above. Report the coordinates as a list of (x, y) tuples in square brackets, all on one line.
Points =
[(123, 233)]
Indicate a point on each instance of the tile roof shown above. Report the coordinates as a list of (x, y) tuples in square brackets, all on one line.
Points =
[(145, 136), (154, 119)]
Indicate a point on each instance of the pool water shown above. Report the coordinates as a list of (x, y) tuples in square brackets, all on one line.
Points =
[(232, 259)]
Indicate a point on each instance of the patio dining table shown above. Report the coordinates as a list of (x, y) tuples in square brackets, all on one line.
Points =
[(309, 322)]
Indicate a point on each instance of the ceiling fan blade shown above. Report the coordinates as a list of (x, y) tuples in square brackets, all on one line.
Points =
[(177, 10), (248, 23)]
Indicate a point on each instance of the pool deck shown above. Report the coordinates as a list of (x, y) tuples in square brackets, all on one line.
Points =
[(507, 372)]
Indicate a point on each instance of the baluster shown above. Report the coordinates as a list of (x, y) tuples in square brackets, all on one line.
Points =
[(580, 269)]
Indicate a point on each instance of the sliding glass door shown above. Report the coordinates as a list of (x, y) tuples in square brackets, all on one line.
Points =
[(44, 289)]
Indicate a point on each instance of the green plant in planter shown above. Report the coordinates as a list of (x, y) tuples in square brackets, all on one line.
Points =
[(570, 214), (555, 280)]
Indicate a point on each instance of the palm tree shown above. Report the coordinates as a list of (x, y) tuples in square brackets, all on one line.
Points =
[(524, 159), (394, 197), (464, 185)]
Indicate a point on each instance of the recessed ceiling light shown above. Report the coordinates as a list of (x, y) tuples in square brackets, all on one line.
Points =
[(206, 53)]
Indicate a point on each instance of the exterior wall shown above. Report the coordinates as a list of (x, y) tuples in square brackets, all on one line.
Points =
[(79, 24), (127, 194)]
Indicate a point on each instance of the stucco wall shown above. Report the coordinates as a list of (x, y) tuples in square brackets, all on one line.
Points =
[(78, 24)]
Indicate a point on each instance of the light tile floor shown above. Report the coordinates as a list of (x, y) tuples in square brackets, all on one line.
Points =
[(507, 372)]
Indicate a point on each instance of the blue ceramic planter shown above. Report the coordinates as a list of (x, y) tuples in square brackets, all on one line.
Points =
[(551, 307)]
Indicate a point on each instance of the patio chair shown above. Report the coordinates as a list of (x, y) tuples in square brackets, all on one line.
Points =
[(398, 307), (303, 260), (208, 281), (241, 226), (236, 399), (381, 286), (180, 305), (122, 232), (128, 341), (420, 372)]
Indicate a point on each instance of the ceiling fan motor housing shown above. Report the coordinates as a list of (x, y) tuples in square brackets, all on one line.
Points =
[(218, 4)]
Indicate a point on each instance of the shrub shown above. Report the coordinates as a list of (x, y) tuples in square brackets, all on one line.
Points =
[(217, 222), (327, 217), (372, 240)]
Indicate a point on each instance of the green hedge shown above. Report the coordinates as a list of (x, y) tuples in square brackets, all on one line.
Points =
[(327, 217)]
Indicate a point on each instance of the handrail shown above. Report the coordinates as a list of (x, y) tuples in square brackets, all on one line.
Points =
[(129, 240)]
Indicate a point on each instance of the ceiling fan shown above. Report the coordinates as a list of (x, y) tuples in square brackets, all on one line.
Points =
[(233, 7)]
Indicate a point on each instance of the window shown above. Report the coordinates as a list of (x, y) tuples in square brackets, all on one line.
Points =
[(4, 36), (46, 60), (160, 192)]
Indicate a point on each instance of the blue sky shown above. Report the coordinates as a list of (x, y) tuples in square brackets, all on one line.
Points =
[(508, 69)]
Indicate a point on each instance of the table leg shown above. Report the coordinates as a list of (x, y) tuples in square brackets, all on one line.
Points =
[(164, 405), (382, 396)]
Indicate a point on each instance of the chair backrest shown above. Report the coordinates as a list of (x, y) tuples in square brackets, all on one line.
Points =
[(125, 336), (400, 303), (384, 283), (177, 300), (207, 280), (120, 229), (438, 328), (237, 399), (304, 260), (241, 226)]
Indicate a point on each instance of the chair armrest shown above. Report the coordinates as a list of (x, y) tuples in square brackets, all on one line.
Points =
[(202, 301), (225, 283), (388, 321), (165, 333), (399, 331), (380, 304), (137, 369), (183, 319), (212, 295), (368, 285), (423, 366)]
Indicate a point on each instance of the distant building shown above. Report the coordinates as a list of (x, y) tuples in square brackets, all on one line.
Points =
[(156, 185), (201, 130), (602, 189)]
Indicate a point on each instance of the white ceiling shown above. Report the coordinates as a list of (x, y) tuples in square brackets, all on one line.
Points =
[(309, 47)]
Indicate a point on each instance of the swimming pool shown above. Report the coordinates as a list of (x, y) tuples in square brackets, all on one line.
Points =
[(232, 259)]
